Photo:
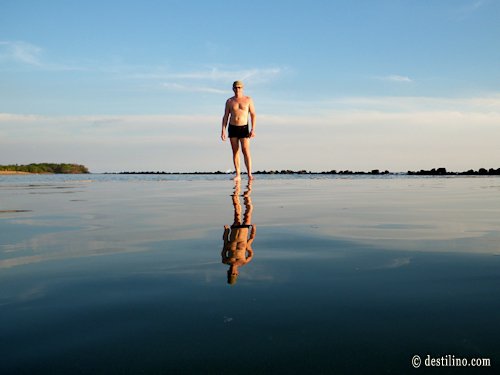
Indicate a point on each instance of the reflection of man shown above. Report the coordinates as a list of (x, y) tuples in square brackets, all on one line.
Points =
[(237, 250), (237, 109)]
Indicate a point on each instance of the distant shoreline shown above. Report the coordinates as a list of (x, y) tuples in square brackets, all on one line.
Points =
[(422, 172), (374, 172), (43, 168)]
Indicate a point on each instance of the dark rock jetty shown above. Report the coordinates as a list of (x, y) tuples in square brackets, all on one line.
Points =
[(444, 172), (422, 172)]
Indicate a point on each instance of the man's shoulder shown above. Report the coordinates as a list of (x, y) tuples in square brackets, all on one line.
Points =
[(247, 99)]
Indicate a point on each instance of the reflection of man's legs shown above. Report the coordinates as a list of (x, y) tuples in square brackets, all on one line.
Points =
[(245, 148), (237, 205), (235, 145), (247, 217), (247, 200)]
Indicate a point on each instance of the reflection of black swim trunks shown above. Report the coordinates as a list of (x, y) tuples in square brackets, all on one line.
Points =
[(238, 131), (241, 226)]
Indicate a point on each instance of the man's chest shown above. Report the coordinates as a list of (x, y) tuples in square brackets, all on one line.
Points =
[(239, 105)]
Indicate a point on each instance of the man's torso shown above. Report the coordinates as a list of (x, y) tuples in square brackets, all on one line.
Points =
[(239, 108)]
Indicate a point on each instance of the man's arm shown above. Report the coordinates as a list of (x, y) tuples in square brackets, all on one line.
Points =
[(225, 237), (252, 234), (250, 254), (225, 119), (253, 116)]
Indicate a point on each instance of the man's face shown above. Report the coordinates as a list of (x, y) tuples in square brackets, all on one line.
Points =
[(237, 88)]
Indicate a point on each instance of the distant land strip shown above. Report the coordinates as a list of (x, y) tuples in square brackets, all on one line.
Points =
[(49, 168), (422, 172), (70, 168)]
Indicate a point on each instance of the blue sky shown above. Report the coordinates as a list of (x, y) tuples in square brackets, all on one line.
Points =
[(141, 85)]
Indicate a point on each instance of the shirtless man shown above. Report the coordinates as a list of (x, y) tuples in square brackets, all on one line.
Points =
[(236, 113)]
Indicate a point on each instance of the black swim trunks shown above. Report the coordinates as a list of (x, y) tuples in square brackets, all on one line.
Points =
[(238, 131)]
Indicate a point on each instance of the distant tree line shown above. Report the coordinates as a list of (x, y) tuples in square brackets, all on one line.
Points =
[(62, 168)]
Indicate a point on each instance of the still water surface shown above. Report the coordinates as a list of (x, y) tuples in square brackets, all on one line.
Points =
[(291, 276)]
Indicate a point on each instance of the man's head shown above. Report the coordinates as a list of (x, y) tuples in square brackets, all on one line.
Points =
[(232, 274), (237, 85)]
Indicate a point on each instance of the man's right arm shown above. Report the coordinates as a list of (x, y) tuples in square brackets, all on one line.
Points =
[(225, 119)]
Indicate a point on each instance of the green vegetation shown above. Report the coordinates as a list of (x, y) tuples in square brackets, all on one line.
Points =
[(46, 168)]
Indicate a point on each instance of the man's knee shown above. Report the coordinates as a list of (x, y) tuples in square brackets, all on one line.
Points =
[(245, 150), (245, 145), (235, 147)]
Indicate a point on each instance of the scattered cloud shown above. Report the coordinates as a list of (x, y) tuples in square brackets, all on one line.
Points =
[(480, 104), (20, 52), (395, 78), (29, 55), (105, 127), (470, 8), (187, 88), (473, 6), (477, 4), (218, 75), (212, 80), (214, 74)]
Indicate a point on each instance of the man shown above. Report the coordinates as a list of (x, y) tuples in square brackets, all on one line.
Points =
[(237, 109)]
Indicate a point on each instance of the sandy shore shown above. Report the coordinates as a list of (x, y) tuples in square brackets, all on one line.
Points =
[(13, 172)]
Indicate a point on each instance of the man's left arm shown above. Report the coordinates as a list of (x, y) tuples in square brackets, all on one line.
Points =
[(253, 117)]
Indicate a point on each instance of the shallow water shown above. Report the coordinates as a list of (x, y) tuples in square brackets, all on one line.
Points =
[(347, 275)]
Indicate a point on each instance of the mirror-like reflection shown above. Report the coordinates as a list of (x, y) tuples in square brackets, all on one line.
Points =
[(238, 238), (351, 274)]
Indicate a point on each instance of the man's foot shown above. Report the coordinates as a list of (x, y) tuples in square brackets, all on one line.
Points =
[(236, 178), (250, 177)]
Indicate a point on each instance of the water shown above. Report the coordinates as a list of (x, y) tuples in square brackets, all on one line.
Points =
[(123, 274)]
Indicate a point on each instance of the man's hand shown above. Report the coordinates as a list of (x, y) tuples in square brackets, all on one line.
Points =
[(223, 135), (252, 134)]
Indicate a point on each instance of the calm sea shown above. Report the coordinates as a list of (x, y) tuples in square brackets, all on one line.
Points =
[(190, 274)]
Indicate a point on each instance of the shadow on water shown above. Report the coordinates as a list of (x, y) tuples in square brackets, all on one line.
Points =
[(238, 238)]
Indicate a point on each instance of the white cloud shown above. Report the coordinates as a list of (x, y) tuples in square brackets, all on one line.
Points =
[(215, 74), (214, 80), (393, 104), (27, 54), (395, 78), (187, 88), (20, 52)]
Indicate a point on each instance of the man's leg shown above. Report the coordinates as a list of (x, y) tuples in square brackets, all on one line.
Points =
[(245, 148), (236, 156)]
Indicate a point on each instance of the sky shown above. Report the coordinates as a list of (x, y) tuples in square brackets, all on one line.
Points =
[(359, 85)]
